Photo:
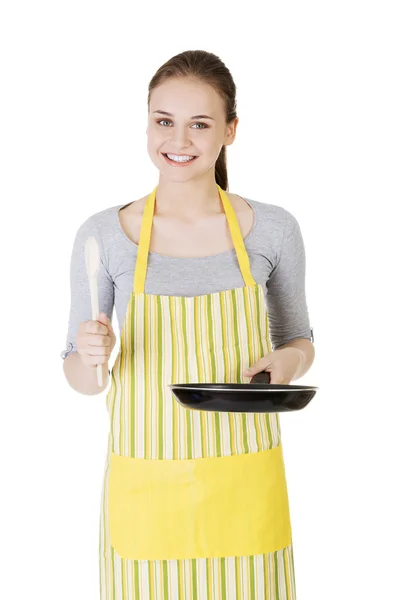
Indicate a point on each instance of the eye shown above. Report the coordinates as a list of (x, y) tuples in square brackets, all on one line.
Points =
[(201, 125), (163, 121)]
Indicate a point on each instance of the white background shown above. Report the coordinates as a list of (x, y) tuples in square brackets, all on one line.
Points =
[(318, 101)]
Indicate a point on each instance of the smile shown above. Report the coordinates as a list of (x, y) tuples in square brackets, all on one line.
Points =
[(180, 160)]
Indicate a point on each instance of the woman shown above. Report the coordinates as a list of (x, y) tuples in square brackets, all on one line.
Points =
[(194, 503)]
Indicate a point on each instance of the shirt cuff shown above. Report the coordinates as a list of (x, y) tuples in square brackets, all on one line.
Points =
[(67, 351)]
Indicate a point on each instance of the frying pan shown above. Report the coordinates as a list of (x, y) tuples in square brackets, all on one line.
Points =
[(258, 396)]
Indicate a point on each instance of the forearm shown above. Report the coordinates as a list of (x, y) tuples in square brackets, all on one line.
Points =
[(83, 379), (307, 354)]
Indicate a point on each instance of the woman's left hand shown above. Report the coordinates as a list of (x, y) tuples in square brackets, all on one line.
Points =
[(282, 365)]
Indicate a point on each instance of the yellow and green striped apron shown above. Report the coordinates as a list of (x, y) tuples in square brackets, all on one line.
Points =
[(194, 504)]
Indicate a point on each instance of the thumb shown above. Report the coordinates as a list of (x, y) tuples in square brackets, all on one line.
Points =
[(259, 366), (256, 368)]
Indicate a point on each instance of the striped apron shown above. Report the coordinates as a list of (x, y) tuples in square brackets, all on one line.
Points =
[(194, 504)]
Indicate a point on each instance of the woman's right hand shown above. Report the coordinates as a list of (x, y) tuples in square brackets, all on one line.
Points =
[(95, 341)]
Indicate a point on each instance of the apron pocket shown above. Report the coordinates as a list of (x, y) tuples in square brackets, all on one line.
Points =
[(198, 508)]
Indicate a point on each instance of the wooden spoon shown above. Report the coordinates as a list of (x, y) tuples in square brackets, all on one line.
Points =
[(92, 256)]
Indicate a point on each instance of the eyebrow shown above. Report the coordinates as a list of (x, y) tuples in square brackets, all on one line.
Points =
[(163, 112)]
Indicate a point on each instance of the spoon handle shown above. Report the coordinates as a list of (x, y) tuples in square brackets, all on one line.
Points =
[(94, 297)]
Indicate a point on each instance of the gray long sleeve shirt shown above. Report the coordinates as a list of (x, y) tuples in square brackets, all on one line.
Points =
[(277, 261)]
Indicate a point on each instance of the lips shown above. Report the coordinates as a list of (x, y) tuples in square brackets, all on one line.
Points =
[(180, 163)]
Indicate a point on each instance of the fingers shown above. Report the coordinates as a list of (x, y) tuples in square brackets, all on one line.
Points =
[(95, 341), (259, 366), (103, 318), (98, 341), (96, 328), (92, 360), (95, 344), (274, 367), (278, 378)]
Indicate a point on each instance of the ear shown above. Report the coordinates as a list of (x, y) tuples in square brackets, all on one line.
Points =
[(230, 132)]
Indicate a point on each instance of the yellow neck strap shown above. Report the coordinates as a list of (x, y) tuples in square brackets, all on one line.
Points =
[(145, 234)]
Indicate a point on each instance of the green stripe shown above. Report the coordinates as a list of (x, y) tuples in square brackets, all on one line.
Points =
[(160, 367), (249, 323), (252, 578), (188, 413), (223, 578), (173, 371), (285, 572), (267, 415), (132, 386), (291, 563), (237, 579), (236, 336), (267, 575), (223, 327), (276, 575), (151, 570), (165, 583), (113, 394), (123, 579), (145, 370), (198, 363), (244, 416), (222, 314), (268, 423), (179, 564), (278, 425), (258, 318), (207, 575), (211, 336), (194, 579), (216, 415), (112, 570), (136, 578)]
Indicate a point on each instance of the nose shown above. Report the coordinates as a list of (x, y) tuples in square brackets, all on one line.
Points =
[(181, 138)]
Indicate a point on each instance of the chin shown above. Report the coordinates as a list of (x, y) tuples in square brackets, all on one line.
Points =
[(177, 173), (178, 177)]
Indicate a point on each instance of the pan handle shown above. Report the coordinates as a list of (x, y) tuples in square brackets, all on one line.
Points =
[(263, 377)]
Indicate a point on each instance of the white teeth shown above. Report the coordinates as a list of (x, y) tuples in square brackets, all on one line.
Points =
[(176, 158)]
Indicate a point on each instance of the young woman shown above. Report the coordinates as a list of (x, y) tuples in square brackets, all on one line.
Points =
[(208, 286)]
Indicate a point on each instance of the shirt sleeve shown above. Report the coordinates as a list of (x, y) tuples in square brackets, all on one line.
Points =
[(286, 297), (80, 306)]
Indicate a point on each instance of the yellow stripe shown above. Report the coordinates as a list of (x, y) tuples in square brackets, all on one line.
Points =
[(144, 244), (285, 556), (237, 238), (200, 368)]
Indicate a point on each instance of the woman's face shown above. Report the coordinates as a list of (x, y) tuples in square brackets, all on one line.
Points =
[(186, 119)]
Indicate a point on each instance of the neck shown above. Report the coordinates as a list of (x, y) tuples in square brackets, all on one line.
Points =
[(188, 199)]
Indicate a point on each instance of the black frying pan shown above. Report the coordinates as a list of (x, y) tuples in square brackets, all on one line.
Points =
[(258, 396)]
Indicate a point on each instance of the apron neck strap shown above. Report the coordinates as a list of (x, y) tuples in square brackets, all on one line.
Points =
[(145, 234)]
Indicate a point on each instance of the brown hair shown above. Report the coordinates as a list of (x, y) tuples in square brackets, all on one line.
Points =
[(210, 69)]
